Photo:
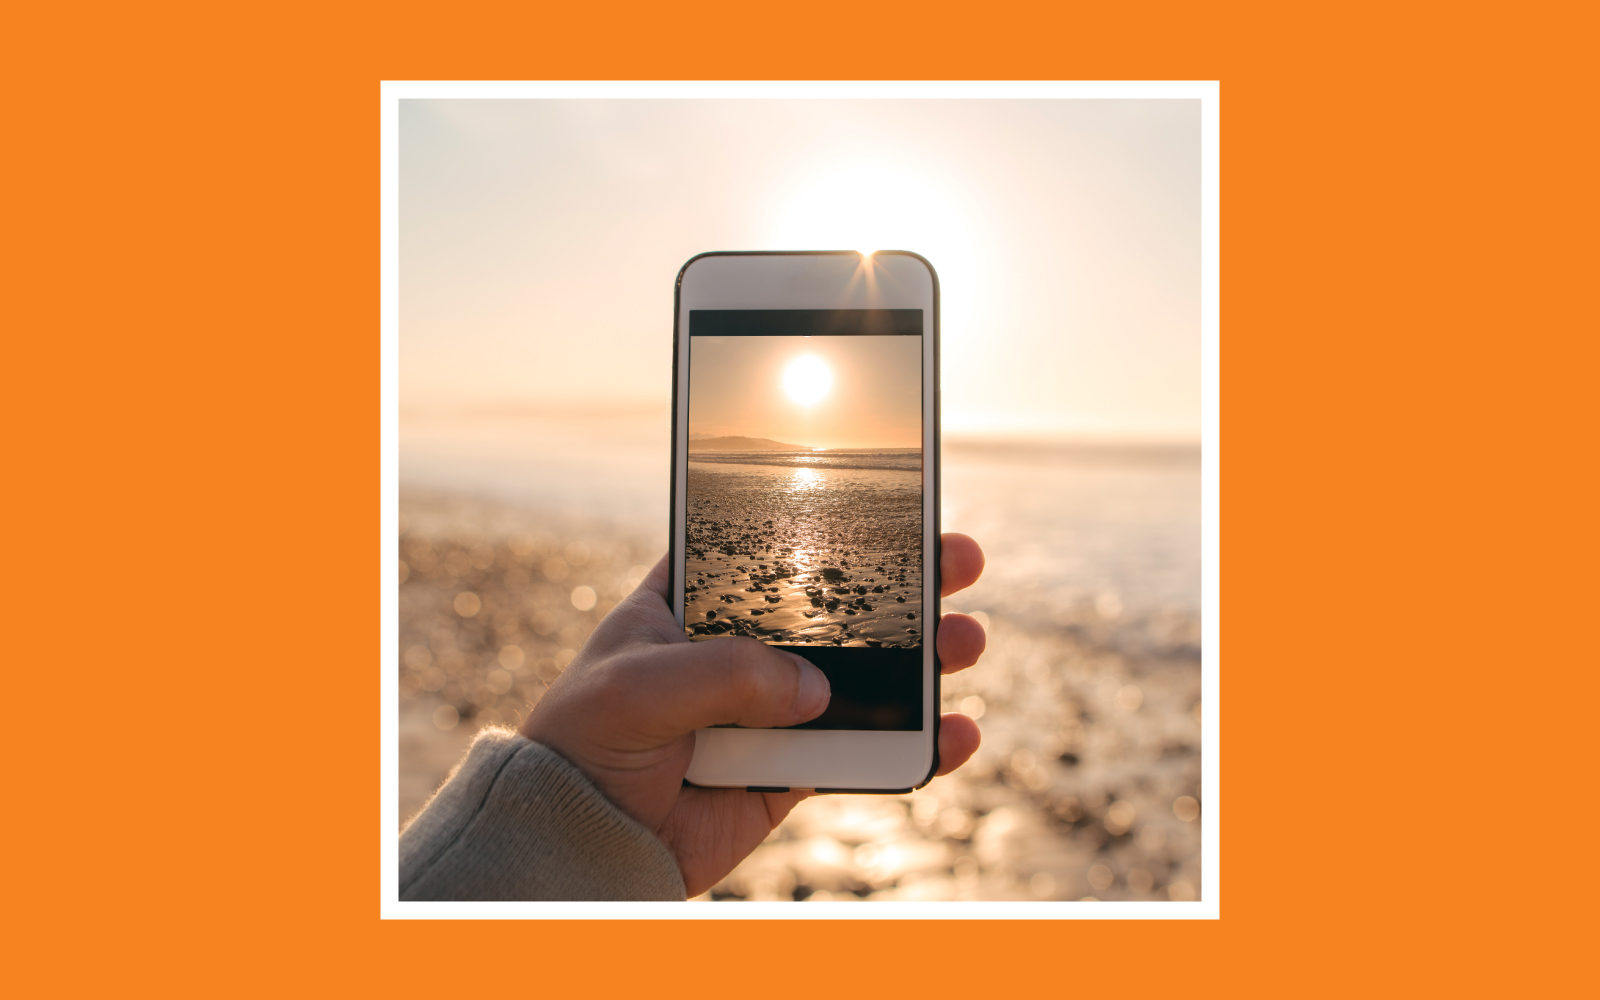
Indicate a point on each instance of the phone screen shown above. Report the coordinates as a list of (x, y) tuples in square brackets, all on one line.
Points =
[(804, 500)]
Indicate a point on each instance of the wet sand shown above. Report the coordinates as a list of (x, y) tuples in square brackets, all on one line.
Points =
[(804, 556)]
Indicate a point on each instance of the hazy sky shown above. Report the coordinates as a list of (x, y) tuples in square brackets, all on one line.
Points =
[(540, 239), (869, 396)]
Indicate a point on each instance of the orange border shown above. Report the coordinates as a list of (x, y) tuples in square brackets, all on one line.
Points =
[(192, 418)]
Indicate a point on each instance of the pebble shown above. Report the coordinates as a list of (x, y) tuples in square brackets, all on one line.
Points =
[(841, 534)]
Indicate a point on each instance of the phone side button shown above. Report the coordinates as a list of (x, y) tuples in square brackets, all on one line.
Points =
[(764, 788)]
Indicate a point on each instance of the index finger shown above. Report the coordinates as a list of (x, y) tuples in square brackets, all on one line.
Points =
[(960, 563)]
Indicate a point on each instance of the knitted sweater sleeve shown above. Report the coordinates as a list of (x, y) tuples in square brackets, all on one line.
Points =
[(518, 821)]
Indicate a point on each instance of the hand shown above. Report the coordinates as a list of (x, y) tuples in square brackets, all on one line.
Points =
[(626, 709)]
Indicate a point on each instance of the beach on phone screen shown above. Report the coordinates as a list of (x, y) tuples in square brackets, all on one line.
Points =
[(803, 549), (805, 490)]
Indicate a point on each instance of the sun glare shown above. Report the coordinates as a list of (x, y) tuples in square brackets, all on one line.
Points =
[(876, 207), (807, 380)]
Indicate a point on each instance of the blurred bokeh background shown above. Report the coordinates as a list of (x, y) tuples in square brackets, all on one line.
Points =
[(539, 241)]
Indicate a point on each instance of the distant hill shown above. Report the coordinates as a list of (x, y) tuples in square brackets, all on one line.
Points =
[(742, 444)]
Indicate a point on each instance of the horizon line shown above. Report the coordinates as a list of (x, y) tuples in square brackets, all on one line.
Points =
[(600, 411)]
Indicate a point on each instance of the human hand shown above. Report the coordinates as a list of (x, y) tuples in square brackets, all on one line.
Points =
[(625, 711)]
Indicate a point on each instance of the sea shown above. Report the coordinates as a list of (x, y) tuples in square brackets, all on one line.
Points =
[(1102, 537)]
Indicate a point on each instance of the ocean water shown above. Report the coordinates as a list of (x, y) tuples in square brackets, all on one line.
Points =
[(885, 459), (1103, 541), (1106, 538)]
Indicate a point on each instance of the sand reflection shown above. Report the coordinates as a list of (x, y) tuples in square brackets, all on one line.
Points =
[(800, 555)]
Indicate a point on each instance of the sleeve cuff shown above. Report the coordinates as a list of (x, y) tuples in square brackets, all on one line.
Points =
[(517, 821)]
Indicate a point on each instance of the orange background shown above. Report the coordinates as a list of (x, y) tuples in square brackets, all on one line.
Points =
[(191, 413)]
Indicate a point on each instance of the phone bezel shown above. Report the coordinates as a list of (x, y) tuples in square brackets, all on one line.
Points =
[(854, 761)]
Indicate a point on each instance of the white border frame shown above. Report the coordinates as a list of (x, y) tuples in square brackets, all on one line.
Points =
[(390, 95)]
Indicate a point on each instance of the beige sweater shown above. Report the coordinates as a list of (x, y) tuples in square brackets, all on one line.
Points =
[(518, 821)]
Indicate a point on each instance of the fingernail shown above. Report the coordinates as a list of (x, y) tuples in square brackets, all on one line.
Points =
[(814, 689)]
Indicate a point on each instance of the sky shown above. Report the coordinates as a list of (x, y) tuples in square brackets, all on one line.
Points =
[(816, 392), (540, 239)]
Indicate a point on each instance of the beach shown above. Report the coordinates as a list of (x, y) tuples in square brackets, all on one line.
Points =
[(804, 548), (1087, 784)]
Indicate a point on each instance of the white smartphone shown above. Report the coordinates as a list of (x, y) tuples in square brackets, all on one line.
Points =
[(805, 503)]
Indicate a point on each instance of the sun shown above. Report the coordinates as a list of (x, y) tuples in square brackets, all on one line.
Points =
[(807, 380)]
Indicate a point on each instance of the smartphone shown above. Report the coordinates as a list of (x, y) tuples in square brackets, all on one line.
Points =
[(805, 503)]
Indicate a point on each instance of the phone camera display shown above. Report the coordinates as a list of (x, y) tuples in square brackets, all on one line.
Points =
[(804, 519)]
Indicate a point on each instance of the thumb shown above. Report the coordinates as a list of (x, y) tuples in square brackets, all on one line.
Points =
[(685, 686)]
